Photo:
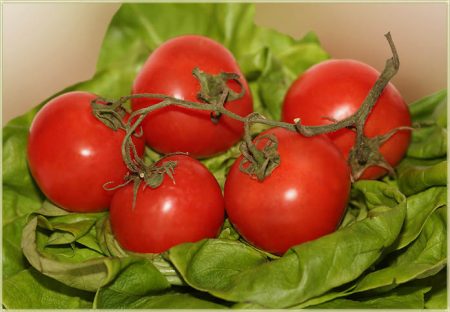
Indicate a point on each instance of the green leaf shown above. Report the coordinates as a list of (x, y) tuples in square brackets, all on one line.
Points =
[(142, 286), (428, 142), (426, 256), (419, 207), (271, 74), (254, 64), (138, 280), (436, 298), (29, 289), (13, 258), (272, 87), (89, 240), (70, 228), (81, 268), (228, 231), (425, 108), (105, 237), (403, 298), (211, 264), (225, 269), (415, 178), (174, 300), (220, 165), (15, 168), (20, 194)]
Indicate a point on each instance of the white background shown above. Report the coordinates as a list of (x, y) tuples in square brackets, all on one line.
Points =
[(49, 46)]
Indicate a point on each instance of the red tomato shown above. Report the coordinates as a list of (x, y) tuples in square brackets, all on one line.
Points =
[(168, 70), (71, 154), (335, 89), (302, 199), (186, 209)]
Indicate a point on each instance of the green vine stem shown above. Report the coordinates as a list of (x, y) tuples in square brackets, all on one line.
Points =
[(358, 119), (260, 162)]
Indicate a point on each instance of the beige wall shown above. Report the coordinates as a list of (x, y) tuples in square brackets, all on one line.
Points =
[(48, 46)]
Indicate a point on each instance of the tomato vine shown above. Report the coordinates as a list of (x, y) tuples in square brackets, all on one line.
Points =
[(258, 163)]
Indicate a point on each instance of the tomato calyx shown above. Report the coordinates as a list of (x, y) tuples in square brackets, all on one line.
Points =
[(367, 154), (110, 113), (268, 158), (257, 162), (152, 176), (214, 89)]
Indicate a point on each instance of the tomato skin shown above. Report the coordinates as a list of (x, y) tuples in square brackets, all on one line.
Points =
[(188, 209), (71, 154), (304, 197), (336, 89), (168, 70)]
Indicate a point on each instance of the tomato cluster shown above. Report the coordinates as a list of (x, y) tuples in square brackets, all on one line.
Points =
[(73, 155)]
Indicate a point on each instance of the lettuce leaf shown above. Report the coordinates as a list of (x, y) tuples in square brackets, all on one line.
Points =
[(29, 289)]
